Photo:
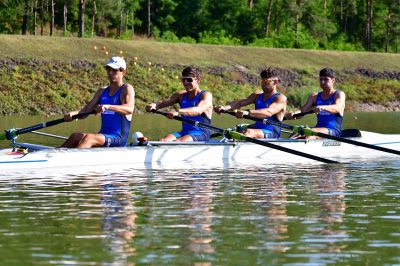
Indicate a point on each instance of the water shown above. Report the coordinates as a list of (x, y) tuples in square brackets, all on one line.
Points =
[(299, 215)]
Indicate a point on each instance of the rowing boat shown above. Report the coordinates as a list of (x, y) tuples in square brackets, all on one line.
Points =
[(211, 153)]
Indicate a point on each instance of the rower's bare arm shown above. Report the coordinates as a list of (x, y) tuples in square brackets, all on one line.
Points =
[(128, 102), (90, 106), (338, 107), (277, 107), (173, 99), (237, 103), (243, 102), (308, 106), (204, 106)]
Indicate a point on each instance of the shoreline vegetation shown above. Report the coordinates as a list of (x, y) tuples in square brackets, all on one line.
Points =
[(53, 75)]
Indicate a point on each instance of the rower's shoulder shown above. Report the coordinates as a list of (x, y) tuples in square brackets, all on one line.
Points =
[(100, 90), (207, 94), (281, 97), (128, 87), (340, 93)]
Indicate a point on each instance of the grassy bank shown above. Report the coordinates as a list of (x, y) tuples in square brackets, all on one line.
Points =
[(42, 75)]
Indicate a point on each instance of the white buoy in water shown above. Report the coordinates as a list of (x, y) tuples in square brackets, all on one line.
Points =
[(135, 137)]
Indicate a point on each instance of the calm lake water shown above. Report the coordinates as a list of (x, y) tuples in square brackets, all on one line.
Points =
[(259, 215)]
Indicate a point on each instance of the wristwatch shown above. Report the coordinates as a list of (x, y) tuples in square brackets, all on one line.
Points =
[(249, 110)]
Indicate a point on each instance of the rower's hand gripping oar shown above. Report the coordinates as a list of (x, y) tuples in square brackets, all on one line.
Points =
[(306, 131), (14, 133), (299, 115), (229, 133)]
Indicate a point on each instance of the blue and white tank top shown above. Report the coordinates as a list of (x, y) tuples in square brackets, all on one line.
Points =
[(326, 119), (113, 123), (261, 104), (203, 118)]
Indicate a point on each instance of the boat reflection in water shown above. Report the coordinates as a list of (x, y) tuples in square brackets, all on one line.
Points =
[(149, 218)]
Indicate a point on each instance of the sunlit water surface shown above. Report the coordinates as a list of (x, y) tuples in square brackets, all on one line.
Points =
[(238, 215)]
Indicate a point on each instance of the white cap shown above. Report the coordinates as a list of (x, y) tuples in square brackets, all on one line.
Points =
[(116, 62)]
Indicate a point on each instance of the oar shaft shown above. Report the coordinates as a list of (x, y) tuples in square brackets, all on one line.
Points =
[(239, 136), (11, 134)]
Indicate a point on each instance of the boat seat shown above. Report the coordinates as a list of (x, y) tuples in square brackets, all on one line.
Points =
[(350, 133)]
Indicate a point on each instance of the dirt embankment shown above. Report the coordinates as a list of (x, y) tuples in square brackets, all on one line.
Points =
[(47, 85)]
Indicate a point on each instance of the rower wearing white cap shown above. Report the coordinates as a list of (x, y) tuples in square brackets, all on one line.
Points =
[(115, 103)]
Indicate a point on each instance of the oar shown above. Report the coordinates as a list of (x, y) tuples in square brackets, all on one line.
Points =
[(309, 132), (238, 136), (13, 133)]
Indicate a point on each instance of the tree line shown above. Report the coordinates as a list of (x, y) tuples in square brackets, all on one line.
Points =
[(362, 25)]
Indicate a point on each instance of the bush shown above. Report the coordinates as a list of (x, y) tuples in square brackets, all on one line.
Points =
[(218, 38), (298, 97)]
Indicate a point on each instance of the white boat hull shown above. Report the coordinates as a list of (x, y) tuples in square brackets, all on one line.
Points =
[(207, 154)]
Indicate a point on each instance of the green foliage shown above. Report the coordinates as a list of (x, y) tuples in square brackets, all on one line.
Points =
[(307, 24), (298, 97), (371, 90), (340, 43), (169, 36), (218, 38)]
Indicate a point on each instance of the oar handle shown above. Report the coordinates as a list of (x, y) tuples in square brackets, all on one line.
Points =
[(12, 133), (264, 121), (301, 114), (188, 121)]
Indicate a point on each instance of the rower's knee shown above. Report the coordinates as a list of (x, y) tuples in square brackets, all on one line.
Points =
[(91, 140), (77, 136)]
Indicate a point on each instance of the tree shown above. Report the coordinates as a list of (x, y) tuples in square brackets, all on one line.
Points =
[(81, 18), (368, 25), (269, 10), (148, 18), (94, 13), (52, 17), (25, 20), (65, 17)]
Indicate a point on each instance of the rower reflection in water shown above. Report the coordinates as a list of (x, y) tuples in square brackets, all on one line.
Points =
[(326, 234), (195, 104), (119, 220), (201, 216), (272, 199)]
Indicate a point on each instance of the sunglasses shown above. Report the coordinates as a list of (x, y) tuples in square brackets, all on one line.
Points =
[(188, 80), (114, 70), (266, 81)]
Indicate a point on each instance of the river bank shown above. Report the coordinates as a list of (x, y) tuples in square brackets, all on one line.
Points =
[(41, 75)]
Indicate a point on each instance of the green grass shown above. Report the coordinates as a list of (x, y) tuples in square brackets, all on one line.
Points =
[(47, 75)]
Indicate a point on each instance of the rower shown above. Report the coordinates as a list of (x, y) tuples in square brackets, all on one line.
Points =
[(115, 103), (269, 104), (195, 104), (328, 104)]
